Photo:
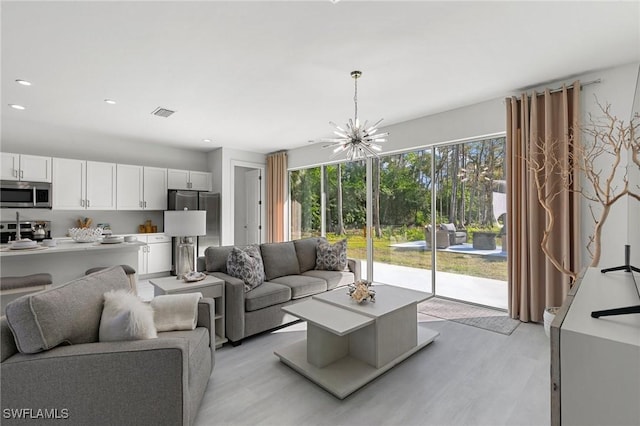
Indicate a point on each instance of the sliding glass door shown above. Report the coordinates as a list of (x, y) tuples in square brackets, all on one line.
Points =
[(471, 263), (429, 219), (400, 197)]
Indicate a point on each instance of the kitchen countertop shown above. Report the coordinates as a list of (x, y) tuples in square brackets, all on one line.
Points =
[(67, 245)]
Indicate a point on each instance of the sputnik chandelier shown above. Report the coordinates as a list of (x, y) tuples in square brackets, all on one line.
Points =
[(357, 140)]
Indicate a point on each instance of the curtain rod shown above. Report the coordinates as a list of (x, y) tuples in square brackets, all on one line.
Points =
[(586, 83)]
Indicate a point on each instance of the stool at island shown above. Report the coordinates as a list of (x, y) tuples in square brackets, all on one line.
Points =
[(131, 275), (13, 287)]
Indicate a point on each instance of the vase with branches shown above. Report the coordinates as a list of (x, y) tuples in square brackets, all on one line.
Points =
[(595, 169)]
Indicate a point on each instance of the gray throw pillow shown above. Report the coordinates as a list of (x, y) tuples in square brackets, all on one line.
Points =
[(331, 257), (246, 265)]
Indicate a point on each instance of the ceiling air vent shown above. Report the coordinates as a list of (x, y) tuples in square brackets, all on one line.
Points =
[(162, 112)]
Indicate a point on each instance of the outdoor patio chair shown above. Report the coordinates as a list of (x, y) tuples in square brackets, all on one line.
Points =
[(455, 236), (442, 237)]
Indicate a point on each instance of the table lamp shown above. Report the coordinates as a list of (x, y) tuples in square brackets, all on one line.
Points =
[(185, 224)]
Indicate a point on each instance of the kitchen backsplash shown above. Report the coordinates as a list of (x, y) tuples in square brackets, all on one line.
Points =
[(122, 222)]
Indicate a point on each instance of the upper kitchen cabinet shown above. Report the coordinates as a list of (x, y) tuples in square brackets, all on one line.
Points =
[(141, 188), (188, 179), (21, 167), (83, 185)]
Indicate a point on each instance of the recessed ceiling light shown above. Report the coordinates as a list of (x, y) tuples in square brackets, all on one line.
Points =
[(14, 106), (206, 140), (23, 82), (110, 101)]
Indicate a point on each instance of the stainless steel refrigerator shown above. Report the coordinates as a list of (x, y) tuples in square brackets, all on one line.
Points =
[(196, 200)]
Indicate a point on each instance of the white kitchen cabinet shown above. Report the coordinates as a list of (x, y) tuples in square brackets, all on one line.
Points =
[(141, 188), (101, 186), (83, 185), (155, 256), (155, 188), (21, 167), (189, 179)]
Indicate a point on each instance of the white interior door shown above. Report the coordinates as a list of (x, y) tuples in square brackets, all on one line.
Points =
[(254, 206)]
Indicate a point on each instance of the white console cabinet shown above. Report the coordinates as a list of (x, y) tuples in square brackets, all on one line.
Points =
[(21, 167), (141, 188), (595, 362), (189, 179), (83, 185)]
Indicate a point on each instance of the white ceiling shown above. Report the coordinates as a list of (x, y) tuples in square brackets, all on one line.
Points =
[(263, 76)]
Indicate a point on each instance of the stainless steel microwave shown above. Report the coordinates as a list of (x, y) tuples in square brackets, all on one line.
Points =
[(25, 195)]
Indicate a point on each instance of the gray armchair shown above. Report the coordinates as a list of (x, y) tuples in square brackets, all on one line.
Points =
[(442, 237), (144, 382), (456, 236)]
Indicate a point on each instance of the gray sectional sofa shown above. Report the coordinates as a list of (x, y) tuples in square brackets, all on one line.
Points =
[(61, 366), (290, 278)]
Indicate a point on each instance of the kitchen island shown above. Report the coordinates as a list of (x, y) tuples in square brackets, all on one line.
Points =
[(68, 259)]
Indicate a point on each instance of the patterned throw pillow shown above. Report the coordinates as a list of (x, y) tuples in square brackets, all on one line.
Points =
[(331, 257), (246, 265)]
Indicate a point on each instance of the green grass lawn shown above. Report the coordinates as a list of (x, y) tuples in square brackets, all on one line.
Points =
[(465, 264)]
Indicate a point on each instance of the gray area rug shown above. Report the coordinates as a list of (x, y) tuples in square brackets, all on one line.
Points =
[(476, 316)]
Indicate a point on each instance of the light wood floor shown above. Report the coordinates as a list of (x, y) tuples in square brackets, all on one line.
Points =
[(468, 376)]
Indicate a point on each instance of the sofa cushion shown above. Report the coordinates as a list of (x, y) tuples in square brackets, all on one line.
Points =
[(333, 278), (215, 258), (306, 252), (69, 313), (331, 257), (246, 265), (279, 260), (125, 317), (302, 286), (268, 294)]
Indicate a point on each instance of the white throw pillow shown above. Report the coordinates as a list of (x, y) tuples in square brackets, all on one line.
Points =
[(126, 317)]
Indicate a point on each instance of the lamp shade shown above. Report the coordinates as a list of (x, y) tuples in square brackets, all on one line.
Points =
[(185, 223)]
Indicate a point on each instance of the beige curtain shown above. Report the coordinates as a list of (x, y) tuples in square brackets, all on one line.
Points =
[(276, 195), (535, 123)]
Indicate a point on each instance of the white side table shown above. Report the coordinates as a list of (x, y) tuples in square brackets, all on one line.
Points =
[(209, 287)]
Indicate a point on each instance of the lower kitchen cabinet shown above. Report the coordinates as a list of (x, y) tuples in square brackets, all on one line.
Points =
[(155, 256)]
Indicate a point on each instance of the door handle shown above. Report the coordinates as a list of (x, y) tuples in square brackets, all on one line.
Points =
[(145, 204), (34, 197), (140, 203), (81, 203), (21, 174), (87, 203)]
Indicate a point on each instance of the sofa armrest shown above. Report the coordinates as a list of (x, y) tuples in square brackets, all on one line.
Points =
[(206, 318), (355, 266), (103, 383), (234, 306)]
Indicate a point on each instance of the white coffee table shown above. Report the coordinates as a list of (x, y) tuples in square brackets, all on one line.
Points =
[(350, 344)]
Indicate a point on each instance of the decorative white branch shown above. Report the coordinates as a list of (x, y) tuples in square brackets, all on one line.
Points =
[(599, 161)]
